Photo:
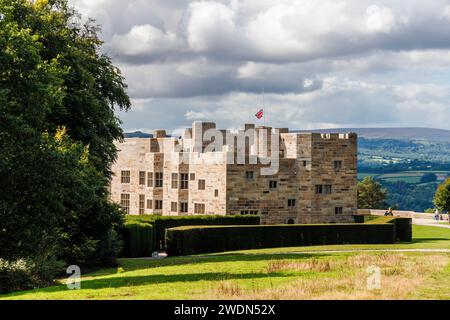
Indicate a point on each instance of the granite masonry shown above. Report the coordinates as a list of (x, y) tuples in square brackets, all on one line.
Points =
[(313, 176)]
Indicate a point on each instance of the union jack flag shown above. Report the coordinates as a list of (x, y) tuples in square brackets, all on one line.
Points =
[(260, 114)]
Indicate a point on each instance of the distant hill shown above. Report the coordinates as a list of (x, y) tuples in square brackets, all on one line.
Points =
[(411, 134), (137, 134), (429, 134)]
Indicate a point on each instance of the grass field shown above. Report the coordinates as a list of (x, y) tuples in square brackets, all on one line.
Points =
[(282, 273), (406, 176)]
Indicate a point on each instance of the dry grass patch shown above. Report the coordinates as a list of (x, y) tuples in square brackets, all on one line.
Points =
[(315, 265), (341, 278)]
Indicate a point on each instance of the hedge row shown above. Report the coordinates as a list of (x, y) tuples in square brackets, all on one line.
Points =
[(138, 239), (403, 226), (161, 223), (205, 239), (403, 229)]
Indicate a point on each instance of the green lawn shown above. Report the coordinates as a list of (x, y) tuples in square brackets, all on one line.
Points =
[(413, 177), (279, 273)]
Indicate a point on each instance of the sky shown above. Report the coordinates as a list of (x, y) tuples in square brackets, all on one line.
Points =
[(320, 63)]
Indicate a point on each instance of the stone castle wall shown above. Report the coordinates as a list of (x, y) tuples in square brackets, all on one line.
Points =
[(307, 161)]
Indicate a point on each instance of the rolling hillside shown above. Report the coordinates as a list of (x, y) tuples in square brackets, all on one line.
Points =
[(411, 134)]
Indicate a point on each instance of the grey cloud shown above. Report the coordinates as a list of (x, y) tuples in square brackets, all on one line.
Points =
[(170, 81), (211, 59), (229, 34)]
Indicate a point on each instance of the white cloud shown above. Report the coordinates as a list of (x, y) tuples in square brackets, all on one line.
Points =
[(321, 62), (380, 19), (144, 40), (211, 26)]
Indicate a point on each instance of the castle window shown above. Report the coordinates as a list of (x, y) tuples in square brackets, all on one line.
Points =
[(323, 189), (158, 204), (141, 204), (201, 184), (338, 210), (273, 184), (142, 178), (184, 183), (126, 176), (337, 165), (216, 193), (184, 207), (319, 189), (158, 180), (125, 202), (249, 175), (149, 204), (304, 163), (249, 212), (199, 208), (150, 179), (192, 176), (174, 180), (292, 202), (173, 206)]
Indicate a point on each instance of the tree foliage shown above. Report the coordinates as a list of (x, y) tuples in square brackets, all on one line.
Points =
[(428, 177), (442, 196), (371, 194), (58, 94)]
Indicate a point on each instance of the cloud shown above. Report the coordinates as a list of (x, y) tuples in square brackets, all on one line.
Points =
[(380, 19), (320, 62), (144, 40)]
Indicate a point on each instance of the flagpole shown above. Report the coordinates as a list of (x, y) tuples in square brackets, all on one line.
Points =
[(264, 106)]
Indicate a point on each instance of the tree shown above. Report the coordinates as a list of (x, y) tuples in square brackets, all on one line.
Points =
[(58, 94), (371, 194), (442, 196), (428, 177)]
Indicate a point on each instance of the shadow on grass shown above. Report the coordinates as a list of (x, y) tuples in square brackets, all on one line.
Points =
[(120, 282), (131, 265)]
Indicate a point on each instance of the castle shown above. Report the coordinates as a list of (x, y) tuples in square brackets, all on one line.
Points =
[(285, 177)]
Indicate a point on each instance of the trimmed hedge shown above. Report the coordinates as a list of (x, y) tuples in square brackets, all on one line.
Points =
[(138, 239), (403, 229), (162, 223), (359, 218), (209, 239), (403, 226)]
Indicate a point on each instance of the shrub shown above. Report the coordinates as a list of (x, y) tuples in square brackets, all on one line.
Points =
[(26, 274), (161, 223), (359, 218), (403, 229), (15, 276), (138, 238), (207, 239), (165, 222)]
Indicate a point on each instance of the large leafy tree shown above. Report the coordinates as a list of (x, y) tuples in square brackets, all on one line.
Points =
[(371, 194), (58, 93), (442, 197)]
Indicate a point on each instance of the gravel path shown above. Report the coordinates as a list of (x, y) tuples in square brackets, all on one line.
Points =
[(431, 223)]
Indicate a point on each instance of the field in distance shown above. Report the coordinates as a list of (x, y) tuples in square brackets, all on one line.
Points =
[(406, 176)]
